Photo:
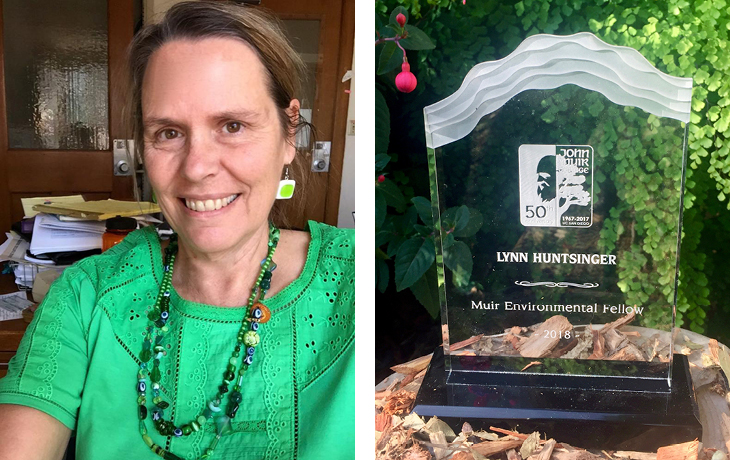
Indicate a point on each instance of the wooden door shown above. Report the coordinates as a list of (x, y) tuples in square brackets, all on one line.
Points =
[(330, 24), (40, 155)]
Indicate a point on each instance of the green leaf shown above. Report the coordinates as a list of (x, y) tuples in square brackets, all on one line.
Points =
[(426, 292), (382, 125), (406, 222), (382, 275), (414, 257), (683, 46), (391, 57), (396, 11), (595, 108), (448, 240), (380, 208), (416, 39), (461, 220), (423, 206), (447, 218), (378, 22), (394, 245), (383, 237), (423, 230), (472, 227), (459, 260), (392, 194), (388, 31), (395, 29), (519, 8), (456, 217), (381, 160)]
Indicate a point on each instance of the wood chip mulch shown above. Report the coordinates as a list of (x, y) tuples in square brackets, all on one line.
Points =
[(400, 435)]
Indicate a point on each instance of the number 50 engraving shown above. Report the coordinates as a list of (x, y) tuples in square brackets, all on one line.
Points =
[(538, 211)]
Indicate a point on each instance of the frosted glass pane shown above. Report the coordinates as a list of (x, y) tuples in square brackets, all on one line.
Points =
[(304, 36), (56, 81)]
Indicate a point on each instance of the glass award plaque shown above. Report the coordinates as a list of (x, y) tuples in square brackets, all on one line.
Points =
[(566, 160)]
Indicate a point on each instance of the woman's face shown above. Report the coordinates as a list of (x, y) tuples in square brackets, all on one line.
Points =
[(214, 145)]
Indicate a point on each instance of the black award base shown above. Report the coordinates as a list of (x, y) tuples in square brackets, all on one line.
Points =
[(595, 418)]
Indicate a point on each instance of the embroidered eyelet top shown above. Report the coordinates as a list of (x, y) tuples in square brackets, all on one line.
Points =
[(78, 360)]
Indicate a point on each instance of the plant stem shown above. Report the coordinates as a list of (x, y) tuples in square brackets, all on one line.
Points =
[(397, 42), (387, 39)]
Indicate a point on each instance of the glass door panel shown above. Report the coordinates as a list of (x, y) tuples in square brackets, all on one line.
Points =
[(56, 74)]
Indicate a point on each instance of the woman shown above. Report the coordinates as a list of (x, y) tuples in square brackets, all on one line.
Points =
[(202, 350)]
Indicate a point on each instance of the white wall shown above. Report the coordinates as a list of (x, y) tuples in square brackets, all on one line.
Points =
[(345, 217)]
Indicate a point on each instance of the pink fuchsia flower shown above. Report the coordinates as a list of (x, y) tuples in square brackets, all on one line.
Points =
[(381, 178), (405, 81), (401, 19)]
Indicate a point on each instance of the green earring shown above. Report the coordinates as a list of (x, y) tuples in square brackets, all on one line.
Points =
[(286, 186)]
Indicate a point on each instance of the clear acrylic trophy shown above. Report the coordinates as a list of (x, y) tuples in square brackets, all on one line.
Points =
[(570, 153)]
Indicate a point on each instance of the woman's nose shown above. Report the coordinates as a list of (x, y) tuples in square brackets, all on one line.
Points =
[(201, 158)]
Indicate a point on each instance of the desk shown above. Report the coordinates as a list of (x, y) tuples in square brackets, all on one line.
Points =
[(10, 331)]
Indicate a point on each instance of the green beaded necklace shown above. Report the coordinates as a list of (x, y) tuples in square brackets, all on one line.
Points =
[(149, 357)]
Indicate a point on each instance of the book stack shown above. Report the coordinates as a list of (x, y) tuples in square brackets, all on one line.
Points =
[(64, 230), (53, 235)]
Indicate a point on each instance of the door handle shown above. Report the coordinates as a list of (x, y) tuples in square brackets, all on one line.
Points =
[(123, 157), (321, 156)]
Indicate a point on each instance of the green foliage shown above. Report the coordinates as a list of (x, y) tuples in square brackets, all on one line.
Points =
[(426, 291), (392, 40), (390, 58), (411, 245), (682, 38), (382, 126), (414, 257), (415, 39)]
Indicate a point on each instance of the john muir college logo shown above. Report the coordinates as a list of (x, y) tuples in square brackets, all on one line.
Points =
[(556, 185)]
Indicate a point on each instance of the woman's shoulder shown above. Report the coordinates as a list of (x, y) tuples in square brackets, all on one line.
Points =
[(334, 241), (320, 248), (331, 260), (49, 371)]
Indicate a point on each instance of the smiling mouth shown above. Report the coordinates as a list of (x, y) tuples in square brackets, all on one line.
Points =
[(209, 205)]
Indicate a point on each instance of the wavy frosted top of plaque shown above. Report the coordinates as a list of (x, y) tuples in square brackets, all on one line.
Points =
[(542, 62)]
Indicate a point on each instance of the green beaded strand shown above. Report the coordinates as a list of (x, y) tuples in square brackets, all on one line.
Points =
[(247, 336)]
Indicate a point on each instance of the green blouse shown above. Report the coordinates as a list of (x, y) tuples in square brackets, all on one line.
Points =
[(78, 360)]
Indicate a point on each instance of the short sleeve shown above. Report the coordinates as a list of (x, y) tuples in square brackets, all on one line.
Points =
[(326, 352), (49, 370), (325, 313)]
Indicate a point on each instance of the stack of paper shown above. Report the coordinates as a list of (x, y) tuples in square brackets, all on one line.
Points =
[(12, 305), (98, 210), (50, 234), (28, 203), (25, 268), (25, 273), (13, 248), (65, 224)]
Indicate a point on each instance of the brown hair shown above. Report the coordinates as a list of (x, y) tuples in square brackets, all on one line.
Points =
[(197, 20)]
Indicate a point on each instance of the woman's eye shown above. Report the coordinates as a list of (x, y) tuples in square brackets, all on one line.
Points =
[(169, 134), (233, 127)]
